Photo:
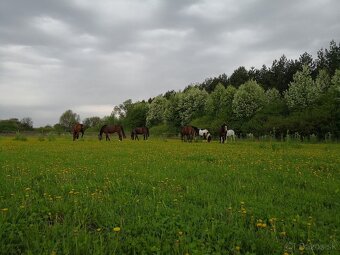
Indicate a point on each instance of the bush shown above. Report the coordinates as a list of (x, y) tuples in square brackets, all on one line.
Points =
[(19, 137)]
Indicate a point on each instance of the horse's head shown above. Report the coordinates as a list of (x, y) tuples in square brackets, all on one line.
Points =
[(100, 137)]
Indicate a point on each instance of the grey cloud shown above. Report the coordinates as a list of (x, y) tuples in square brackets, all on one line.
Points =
[(89, 56)]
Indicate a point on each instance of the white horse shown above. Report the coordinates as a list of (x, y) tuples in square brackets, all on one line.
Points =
[(205, 134), (231, 134)]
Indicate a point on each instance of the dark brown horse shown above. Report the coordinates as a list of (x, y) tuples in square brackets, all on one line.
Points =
[(78, 128), (188, 132), (110, 129), (140, 131), (223, 133)]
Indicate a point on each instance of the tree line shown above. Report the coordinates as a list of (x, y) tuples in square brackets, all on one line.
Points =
[(291, 96)]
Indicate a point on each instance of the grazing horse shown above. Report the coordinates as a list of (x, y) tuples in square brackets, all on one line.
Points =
[(109, 129), (189, 132), (231, 133), (205, 134), (140, 131), (223, 133), (78, 128)]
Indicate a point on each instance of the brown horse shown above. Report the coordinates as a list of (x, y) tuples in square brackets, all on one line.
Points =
[(189, 132), (110, 129), (140, 131), (223, 133), (78, 128)]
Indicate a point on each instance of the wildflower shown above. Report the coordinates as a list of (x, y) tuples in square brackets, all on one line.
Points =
[(180, 233), (99, 229), (286, 253), (283, 234), (238, 248), (116, 229), (4, 209), (301, 248)]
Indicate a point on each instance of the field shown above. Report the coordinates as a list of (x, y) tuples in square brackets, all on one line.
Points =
[(168, 197)]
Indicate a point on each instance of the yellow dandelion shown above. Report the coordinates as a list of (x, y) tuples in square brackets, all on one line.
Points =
[(301, 248), (116, 229), (283, 233)]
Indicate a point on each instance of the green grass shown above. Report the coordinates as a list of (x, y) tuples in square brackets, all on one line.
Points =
[(64, 197)]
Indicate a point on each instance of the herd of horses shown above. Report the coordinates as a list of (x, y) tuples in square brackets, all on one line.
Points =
[(188, 133)]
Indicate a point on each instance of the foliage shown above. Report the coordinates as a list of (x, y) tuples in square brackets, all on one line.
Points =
[(92, 122), (302, 91), (155, 114), (136, 115), (26, 124), (20, 137), (9, 125), (249, 98), (192, 104), (68, 119)]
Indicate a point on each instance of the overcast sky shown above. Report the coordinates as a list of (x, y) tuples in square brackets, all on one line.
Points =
[(90, 55)]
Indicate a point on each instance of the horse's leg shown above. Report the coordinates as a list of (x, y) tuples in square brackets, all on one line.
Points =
[(137, 137), (82, 133)]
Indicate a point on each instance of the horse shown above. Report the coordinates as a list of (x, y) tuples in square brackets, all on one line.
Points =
[(140, 131), (205, 134), (223, 133), (189, 132), (109, 129), (231, 133), (78, 128)]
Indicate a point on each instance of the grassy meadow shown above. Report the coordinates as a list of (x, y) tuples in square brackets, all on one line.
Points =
[(168, 197)]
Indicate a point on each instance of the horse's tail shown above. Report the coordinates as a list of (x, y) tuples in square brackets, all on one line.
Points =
[(121, 127)]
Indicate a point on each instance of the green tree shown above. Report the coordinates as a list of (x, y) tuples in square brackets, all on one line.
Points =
[(68, 119), (135, 115), (26, 123), (302, 91), (323, 81), (92, 122), (272, 95), (239, 76), (249, 98), (192, 104), (155, 114)]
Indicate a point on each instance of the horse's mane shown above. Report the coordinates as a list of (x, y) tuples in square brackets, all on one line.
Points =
[(196, 129), (102, 128)]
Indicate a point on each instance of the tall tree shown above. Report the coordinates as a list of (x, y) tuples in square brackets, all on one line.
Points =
[(155, 114), (26, 123), (68, 119), (239, 76), (302, 91), (249, 98)]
